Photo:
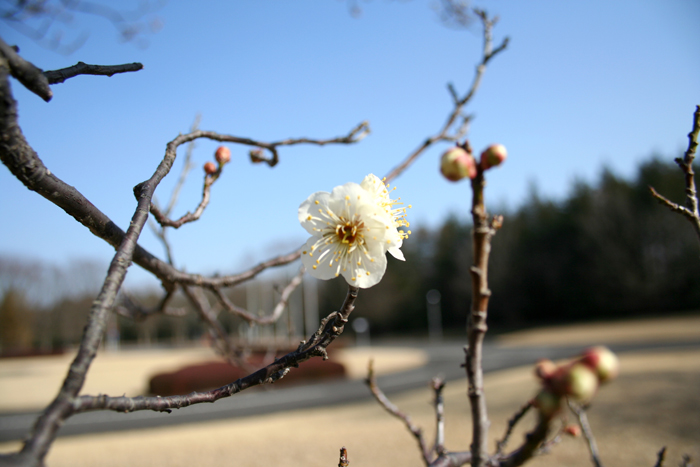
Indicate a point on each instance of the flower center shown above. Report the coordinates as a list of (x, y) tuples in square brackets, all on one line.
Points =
[(349, 231)]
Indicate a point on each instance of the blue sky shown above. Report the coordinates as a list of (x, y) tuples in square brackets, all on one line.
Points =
[(582, 85)]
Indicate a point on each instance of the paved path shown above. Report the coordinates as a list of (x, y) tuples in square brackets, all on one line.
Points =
[(443, 359)]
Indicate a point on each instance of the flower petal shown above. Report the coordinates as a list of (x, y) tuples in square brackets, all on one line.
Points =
[(316, 260), (309, 216), (368, 273), (396, 252)]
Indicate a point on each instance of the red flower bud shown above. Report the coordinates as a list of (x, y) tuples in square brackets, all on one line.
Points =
[(222, 155), (456, 164), (573, 430), (493, 156), (602, 361), (210, 168)]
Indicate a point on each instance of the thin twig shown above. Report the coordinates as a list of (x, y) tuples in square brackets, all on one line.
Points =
[(220, 339), (660, 457), (128, 307), (80, 68), (186, 167), (396, 412), (438, 385), (355, 135), (580, 413), (690, 211), (445, 134), (500, 445), (162, 218), (276, 313)]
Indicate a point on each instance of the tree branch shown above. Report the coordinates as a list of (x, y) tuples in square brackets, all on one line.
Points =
[(529, 448), (660, 457), (483, 231), (580, 413), (62, 407), (396, 412), (80, 68), (459, 103), (355, 135), (26, 165), (132, 310), (26, 73), (162, 218), (276, 313), (438, 385), (690, 212), (331, 327), (500, 445)]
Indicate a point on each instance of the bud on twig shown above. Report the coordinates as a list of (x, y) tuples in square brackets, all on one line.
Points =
[(545, 369), (256, 156), (210, 168), (576, 380), (456, 164), (493, 156), (548, 403), (602, 361), (222, 155)]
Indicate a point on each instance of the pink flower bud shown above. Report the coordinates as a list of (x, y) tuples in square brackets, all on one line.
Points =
[(572, 430), (548, 403), (210, 168), (456, 164), (545, 369), (602, 361), (222, 155), (493, 156)]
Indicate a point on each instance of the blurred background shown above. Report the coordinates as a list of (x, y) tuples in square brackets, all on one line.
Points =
[(593, 101)]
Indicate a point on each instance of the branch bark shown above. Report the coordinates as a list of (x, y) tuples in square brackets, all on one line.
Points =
[(582, 417), (80, 68), (384, 401), (476, 327), (446, 133), (62, 407), (690, 210), (331, 327)]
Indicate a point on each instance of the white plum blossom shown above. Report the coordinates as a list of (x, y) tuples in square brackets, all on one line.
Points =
[(376, 187), (351, 230)]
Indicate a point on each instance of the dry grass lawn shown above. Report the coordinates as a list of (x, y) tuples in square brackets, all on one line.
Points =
[(654, 403)]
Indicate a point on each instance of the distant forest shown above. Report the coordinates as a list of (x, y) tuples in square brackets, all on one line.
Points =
[(607, 251)]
